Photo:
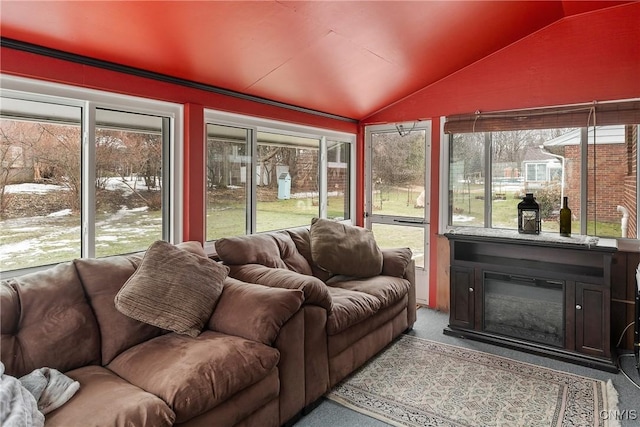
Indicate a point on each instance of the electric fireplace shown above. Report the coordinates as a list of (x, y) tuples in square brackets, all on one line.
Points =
[(525, 308), (533, 293)]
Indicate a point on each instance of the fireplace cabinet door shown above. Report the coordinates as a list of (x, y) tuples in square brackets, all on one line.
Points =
[(591, 319), (462, 297)]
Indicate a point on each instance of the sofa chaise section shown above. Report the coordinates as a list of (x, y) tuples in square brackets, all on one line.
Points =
[(236, 372)]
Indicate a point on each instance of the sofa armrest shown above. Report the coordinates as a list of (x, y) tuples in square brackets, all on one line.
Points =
[(254, 312), (395, 261), (410, 275), (315, 290)]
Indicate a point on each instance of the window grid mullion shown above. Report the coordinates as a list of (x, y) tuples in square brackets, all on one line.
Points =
[(252, 194), (88, 163), (322, 173), (488, 181)]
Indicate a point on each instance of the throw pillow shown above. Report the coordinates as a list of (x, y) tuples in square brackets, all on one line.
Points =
[(344, 249), (172, 289)]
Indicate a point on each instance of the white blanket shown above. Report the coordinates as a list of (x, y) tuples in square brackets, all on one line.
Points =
[(18, 407), (24, 402)]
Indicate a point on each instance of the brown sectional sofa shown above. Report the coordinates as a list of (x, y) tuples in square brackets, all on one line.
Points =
[(265, 356), (242, 370), (347, 320)]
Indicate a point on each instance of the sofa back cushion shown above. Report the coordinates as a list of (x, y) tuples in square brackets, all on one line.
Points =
[(344, 249), (47, 322), (102, 279), (263, 310), (275, 250)]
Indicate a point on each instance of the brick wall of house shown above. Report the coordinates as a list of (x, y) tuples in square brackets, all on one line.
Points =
[(572, 178), (630, 183), (608, 190), (304, 174)]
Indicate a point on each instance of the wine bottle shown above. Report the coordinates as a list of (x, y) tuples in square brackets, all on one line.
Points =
[(565, 218)]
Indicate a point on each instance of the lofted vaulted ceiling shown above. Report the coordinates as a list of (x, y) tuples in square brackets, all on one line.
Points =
[(346, 58)]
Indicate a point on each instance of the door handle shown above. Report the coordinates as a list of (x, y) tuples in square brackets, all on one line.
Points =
[(410, 221)]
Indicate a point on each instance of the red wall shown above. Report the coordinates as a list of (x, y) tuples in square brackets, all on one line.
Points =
[(39, 67), (593, 56)]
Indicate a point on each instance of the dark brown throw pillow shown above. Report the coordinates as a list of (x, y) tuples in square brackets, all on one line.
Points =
[(344, 249), (172, 289)]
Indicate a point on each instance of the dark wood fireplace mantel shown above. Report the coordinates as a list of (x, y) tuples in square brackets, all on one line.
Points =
[(580, 266)]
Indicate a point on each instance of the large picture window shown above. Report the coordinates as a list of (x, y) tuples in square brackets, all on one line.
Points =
[(83, 174), (264, 175), (594, 166)]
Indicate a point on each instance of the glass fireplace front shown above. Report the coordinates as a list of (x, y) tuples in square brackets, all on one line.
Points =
[(525, 308)]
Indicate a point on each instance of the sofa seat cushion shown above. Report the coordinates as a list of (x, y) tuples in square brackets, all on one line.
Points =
[(105, 399), (349, 307), (338, 343), (193, 375), (387, 289)]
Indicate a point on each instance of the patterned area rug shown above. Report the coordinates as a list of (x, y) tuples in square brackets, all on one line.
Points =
[(417, 382)]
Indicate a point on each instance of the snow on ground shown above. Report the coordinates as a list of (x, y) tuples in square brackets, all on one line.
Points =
[(33, 188), (63, 212), (462, 218), (126, 185), (59, 232)]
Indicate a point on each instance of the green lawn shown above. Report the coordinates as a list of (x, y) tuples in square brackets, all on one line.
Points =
[(505, 215), (38, 241)]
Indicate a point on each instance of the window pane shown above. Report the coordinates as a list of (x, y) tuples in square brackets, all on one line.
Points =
[(398, 172), (466, 179), (227, 163), (286, 180), (538, 152), (338, 174), (39, 186), (395, 236), (128, 205), (509, 152)]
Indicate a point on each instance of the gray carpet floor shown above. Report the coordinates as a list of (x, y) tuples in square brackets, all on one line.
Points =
[(430, 324)]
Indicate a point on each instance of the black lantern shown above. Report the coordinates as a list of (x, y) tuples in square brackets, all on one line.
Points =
[(529, 215)]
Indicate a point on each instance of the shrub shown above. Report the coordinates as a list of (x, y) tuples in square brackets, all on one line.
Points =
[(548, 197)]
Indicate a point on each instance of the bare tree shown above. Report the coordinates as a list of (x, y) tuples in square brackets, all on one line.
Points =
[(13, 157), (58, 152), (268, 157)]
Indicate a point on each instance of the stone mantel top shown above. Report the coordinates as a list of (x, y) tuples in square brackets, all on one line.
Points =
[(542, 239)]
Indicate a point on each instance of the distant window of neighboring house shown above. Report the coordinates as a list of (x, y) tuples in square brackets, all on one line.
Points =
[(536, 172)]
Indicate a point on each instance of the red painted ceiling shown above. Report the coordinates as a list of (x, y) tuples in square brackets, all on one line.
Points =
[(348, 58)]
